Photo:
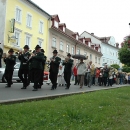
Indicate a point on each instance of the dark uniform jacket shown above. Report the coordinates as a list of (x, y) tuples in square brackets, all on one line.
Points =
[(68, 65), (24, 60), (44, 61), (54, 66), (1, 53), (10, 62), (105, 72), (36, 61)]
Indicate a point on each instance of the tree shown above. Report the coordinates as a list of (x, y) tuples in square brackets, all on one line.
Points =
[(124, 53), (116, 66), (126, 69)]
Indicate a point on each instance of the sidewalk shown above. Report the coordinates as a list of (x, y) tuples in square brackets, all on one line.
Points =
[(16, 94)]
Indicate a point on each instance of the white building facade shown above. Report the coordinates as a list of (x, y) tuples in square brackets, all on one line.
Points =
[(109, 48)]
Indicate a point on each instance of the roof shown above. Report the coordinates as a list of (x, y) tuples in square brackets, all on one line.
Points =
[(69, 34), (38, 7), (56, 15)]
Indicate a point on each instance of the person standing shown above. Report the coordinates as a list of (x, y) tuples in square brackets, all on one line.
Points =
[(10, 61), (105, 75), (1, 53), (89, 76), (24, 67), (43, 64), (97, 74), (36, 66), (81, 69), (68, 63), (75, 74), (54, 68)]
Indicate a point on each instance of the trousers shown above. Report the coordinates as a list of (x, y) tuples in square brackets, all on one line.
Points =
[(23, 75), (8, 76), (67, 76), (53, 78), (35, 76)]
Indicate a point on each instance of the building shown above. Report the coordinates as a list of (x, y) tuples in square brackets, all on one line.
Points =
[(22, 22), (67, 41), (109, 48)]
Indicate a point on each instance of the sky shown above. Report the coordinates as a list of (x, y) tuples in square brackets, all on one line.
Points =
[(102, 17)]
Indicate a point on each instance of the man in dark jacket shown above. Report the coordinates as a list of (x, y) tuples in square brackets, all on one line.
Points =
[(36, 66), (68, 63), (43, 64), (10, 61), (24, 68), (1, 53), (54, 68)]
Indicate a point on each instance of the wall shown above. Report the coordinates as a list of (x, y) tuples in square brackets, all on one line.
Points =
[(34, 31), (59, 37), (2, 20)]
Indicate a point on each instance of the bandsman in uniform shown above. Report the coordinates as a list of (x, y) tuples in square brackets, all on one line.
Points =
[(24, 66), (10, 61), (1, 53), (43, 64), (54, 68), (36, 67), (68, 63)]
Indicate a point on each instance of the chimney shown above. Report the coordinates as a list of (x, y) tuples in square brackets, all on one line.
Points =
[(92, 33)]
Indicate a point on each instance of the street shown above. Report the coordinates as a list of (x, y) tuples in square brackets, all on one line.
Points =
[(16, 93)]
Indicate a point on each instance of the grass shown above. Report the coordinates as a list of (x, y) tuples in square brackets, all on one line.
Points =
[(101, 110)]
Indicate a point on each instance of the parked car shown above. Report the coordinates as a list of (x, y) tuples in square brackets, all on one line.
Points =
[(15, 73)]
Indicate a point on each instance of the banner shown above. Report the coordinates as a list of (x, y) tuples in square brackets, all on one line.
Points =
[(12, 25)]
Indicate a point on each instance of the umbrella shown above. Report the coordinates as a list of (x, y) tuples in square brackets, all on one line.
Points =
[(77, 56)]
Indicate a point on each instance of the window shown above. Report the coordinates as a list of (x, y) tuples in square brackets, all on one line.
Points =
[(56, 24), (78, 51), (85, 53), (91, 57), (40, 43), (95, 59), (17, 36), (28, 38), (72, 50), (77, 37), (29, 20), (67, 48), (99, 61), (103, 60), (53, 42), (18, 15), (61, 45), (63, 29), (83, 41), (41, 27)]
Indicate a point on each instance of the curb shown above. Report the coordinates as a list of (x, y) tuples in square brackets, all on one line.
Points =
[(13, 101)]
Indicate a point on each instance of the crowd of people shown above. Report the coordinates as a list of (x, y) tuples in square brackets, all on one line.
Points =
[(60, 71)]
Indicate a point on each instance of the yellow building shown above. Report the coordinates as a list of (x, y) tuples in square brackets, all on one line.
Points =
[(22, 23)]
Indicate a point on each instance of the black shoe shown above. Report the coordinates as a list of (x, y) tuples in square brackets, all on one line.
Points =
[(8, 86), (89, 86), (39, 86), (34, 89), (52, 88), (23, 88), (62, 84), (74, 84), (66, 88)]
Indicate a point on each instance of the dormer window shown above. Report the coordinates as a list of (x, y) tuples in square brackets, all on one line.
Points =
[(56, 24), (63, 29), (83, 41), (77, 37)]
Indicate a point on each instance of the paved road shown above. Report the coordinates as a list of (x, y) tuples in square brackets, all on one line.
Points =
[(16, 93)]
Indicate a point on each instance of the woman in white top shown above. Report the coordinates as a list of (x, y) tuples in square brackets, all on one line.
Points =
[(61, 81)]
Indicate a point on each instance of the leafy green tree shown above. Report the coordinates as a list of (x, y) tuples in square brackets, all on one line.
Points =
[(124, 53), (116, 66), (126, 69)]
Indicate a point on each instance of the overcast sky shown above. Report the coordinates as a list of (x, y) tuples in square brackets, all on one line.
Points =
[(101, 17)]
